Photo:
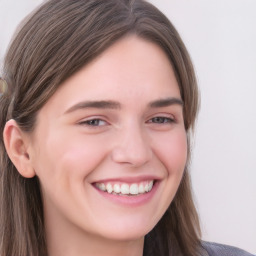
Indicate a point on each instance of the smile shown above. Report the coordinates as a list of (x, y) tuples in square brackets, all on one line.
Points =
[(125, 188)]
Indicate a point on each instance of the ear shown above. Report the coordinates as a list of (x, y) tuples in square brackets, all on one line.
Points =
[(17, 144)]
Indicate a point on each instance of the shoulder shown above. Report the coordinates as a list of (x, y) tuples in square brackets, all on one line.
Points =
[(214, 249)]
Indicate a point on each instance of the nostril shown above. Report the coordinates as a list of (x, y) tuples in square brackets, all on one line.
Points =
[(127, 155)]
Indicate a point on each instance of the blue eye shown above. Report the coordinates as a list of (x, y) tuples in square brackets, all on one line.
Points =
[(161, 120), (93, 122)]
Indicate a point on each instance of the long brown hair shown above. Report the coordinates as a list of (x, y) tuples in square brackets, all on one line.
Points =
[(57, 40)]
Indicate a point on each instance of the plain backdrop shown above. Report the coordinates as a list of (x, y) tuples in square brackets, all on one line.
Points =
[(221, 38)]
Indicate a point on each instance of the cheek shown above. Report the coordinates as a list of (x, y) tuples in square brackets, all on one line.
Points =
[(62, 158), (172, 152)]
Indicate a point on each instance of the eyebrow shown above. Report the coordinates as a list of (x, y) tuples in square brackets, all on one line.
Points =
[(165, 102), (109, 104), (102, 104)]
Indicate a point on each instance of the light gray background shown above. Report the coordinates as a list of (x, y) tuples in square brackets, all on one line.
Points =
[(221, 38)]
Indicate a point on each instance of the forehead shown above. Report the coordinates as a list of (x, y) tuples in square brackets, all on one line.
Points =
[(131, 69)]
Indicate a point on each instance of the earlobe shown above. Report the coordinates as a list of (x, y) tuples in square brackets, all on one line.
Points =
[(16, 145)]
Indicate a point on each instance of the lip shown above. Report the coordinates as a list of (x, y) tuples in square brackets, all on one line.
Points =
[(129, 201)]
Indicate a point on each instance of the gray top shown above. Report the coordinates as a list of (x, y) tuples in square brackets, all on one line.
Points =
[(214, 249)]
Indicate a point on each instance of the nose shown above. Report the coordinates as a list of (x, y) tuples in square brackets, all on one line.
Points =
[(132, 147)]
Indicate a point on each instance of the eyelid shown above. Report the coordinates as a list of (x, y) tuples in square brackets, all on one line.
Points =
[(86, 121), (166, 116), (161, 120)]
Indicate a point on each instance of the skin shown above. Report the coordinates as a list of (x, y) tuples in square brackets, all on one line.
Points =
[(74, 146)]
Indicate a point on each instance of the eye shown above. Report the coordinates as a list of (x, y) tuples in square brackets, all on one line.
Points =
[(161, 120), (93, 122)]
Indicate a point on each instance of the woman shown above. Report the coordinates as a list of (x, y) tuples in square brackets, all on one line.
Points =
[(96, 118)]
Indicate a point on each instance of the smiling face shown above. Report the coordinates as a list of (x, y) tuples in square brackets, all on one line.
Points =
[(110, 146)]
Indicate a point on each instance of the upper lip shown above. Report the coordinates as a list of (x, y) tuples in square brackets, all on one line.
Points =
[(129, 179)]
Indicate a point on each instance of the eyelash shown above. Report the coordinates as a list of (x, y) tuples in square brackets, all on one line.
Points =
[(161, 120), (91, 122), (97, 122)]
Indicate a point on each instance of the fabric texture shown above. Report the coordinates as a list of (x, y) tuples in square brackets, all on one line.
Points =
[(214, 249)]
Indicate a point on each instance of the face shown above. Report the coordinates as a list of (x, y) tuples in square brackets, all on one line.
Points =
[(110, 146)]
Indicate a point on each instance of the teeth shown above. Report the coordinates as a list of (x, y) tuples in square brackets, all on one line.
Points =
[(141, 188), (146, 187), (117, 188), (101, 186), (109, 188), (126, 189), (134, 189), (150, 185)]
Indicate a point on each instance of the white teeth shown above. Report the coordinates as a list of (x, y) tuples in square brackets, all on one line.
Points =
[(146, 188), (141, 188), (150, 185), (126, 189), (134, 189), (109, 188), (101, 186), (117, 188)]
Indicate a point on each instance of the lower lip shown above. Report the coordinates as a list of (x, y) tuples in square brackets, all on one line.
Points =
[(138, 200)]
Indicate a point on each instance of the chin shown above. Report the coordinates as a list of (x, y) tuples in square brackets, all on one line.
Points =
[(127, 232)]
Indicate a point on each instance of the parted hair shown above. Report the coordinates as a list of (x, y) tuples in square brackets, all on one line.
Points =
[(54, 42)]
